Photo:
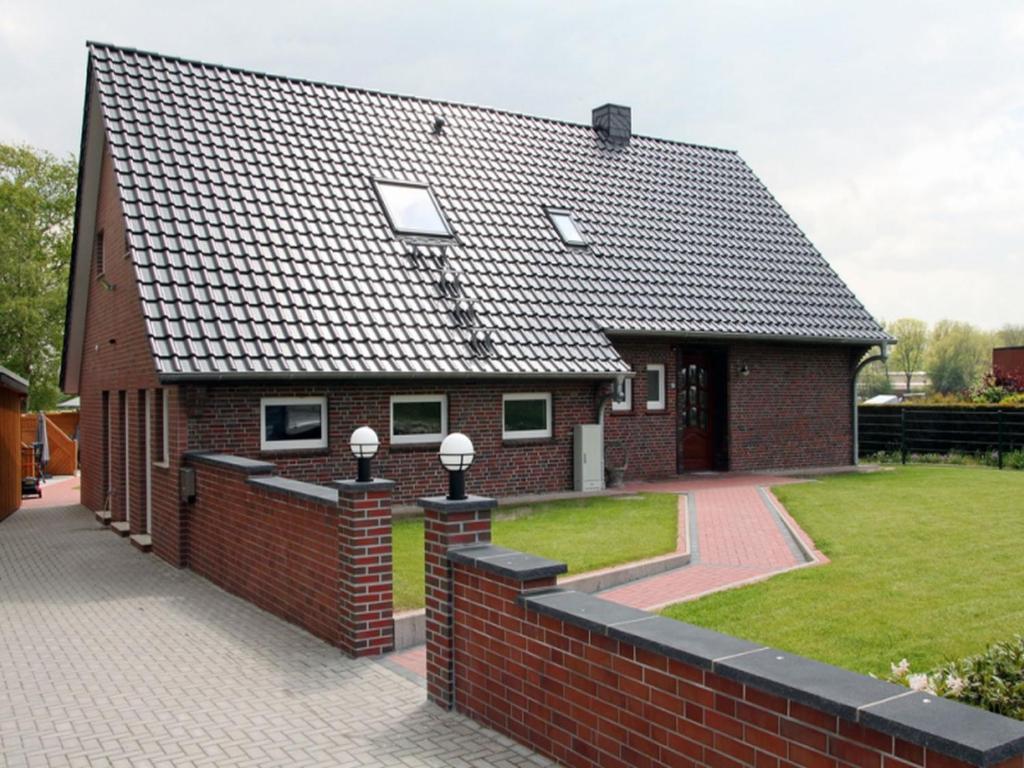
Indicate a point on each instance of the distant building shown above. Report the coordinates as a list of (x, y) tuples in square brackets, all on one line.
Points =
[(919, 382), (1008, 359)]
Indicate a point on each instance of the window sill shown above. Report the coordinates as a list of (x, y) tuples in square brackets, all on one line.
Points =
[(285, 453), (523, 442), (657, 412), (630, 412), (414, 447)]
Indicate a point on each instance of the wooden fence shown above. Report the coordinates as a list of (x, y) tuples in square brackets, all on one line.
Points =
[(920, 429), (63, 447)]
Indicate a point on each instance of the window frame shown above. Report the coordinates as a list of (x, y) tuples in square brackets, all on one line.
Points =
[(164, 459), (378, 184), (552, 213), (658, 403), (425, 439), (293, 445), (528, 434), (626, 405)]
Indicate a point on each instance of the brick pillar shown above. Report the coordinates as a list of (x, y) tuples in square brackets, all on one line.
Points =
[(364, 551), (447, 524)]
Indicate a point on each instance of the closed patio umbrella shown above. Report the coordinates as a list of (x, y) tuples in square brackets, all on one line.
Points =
[(44, 444)]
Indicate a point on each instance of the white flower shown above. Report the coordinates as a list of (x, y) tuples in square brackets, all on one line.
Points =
[(954, 685), (899, 670), (918, 682)]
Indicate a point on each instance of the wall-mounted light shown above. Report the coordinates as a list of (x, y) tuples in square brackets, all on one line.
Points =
[(744, 370), (364, 444), (456, 455)]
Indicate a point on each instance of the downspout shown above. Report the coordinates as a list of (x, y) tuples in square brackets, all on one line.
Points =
[(603, 396), (882, 356), (617, 383)]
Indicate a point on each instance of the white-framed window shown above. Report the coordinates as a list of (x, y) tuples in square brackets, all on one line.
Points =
[(418, 419), (655, 387), (525, 415), (293, 423), (625, 403)]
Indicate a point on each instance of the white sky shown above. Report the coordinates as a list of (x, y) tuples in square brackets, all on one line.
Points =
[(893, 132)]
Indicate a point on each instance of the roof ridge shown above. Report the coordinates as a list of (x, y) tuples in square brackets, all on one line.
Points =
[(93, 44)]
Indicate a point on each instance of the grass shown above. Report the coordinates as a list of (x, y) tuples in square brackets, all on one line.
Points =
[(926, 564), (587, 534)]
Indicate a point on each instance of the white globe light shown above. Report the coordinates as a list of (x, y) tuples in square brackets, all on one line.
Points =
[(456, 452), (364, 443)]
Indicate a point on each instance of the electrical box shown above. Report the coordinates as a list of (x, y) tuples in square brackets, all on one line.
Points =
[(187, 485), (588, 463)]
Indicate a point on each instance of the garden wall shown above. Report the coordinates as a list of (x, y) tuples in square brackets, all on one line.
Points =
[(316, 556), (592, 683)]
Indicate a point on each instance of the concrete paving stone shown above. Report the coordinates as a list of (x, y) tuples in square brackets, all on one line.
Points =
[(109, 657)]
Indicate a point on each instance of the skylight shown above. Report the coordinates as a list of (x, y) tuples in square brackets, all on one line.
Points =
[(566, 227), (412, 209)]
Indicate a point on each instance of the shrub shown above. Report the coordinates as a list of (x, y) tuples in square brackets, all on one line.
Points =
[(992, 680), (1011, 459), (997, 387)]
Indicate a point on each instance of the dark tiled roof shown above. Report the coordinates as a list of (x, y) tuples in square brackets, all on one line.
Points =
[(261, 248)]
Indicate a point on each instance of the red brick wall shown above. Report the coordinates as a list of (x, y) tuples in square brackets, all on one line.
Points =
[(323, 566), (587, 700), (116, 355), (645, 439), (226, 418), (793, 409), (275, 551), (117, 359)]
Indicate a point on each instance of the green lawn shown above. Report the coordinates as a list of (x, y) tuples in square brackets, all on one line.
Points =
[(587, 534), (927, 564)]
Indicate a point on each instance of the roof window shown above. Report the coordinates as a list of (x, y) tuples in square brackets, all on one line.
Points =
[(412, 209), (566, 227)]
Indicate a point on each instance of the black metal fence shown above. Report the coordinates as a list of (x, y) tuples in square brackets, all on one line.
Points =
[(919, 429)]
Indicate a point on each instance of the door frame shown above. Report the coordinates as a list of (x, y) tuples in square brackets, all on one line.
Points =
[(126, 415), (718, 356), (148, 459)]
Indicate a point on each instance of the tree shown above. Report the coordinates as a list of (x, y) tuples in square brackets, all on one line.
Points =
[(37, 204), (912, 344), (874, 380), (1010, 335), (958, 356)]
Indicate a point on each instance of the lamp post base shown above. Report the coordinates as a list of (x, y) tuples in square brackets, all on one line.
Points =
[(457, 485)]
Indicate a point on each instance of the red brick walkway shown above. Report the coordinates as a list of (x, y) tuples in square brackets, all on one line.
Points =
[(57, 492), (739, 541)]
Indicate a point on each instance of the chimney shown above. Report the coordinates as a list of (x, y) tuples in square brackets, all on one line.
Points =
[(613, 122)]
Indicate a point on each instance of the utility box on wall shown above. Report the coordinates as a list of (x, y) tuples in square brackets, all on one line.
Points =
[(588, 457)]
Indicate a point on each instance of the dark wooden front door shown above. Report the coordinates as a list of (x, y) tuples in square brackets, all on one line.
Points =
[(696, 411)]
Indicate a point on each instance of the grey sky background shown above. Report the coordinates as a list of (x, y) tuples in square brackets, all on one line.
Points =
[(893, 132)]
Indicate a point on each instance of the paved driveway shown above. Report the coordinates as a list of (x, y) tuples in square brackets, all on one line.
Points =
[(109, 657)]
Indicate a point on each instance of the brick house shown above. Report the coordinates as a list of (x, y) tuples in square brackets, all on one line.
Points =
[(262, 264)]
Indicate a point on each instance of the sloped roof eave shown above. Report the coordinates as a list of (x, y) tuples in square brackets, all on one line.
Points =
[(851, 341)]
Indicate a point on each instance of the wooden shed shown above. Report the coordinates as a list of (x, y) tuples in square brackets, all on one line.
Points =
[(13, 390)]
